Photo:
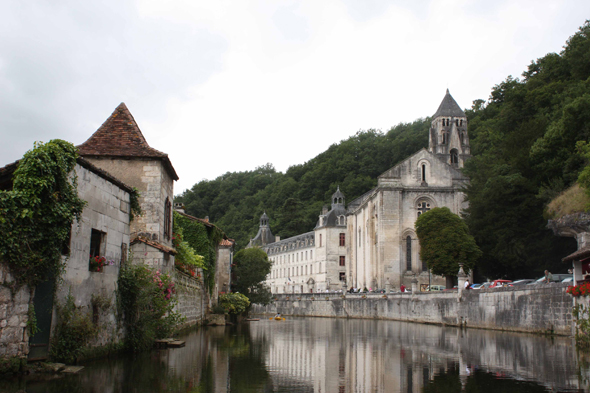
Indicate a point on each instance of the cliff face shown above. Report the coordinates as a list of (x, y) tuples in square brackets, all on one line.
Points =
[(576, 225)]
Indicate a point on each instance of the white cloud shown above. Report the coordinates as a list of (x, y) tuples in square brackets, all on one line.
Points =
[(227, 86)]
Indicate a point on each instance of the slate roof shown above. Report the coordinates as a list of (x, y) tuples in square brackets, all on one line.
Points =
[(120, 136), (449, 107)]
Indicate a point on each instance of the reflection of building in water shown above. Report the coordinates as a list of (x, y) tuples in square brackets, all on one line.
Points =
[(330, 355)]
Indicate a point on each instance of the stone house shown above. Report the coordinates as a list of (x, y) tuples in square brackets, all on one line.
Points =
[(102, 230), (119, 148)]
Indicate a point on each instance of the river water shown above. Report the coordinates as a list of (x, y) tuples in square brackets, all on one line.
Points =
[(334, 355)]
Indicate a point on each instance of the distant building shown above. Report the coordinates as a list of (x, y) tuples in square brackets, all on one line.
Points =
[(372, 243)]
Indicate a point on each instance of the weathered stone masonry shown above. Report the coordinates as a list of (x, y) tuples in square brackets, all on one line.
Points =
[(537, 309)]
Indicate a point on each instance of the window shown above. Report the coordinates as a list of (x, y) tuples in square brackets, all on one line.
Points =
[(342, 260), (423, 207), (320, 239), (342, 276), (311, 254), (167, 218), (454, 157), (423, 172), (96, 243), (311, 269), (342, 239), (359, 239), (409, 253)]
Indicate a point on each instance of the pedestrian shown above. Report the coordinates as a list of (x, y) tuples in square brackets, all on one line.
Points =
[(548, 277), (467, 285), (402, 288)]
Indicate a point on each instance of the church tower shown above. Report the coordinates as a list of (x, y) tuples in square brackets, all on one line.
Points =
[(264, 235), (448, 133)]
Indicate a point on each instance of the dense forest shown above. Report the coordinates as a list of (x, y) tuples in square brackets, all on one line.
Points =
[(523, 141)]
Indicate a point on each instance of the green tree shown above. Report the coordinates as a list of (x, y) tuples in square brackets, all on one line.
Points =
[(251, 266), (445, 243)]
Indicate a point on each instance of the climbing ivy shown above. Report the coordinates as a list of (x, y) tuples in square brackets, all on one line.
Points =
[(134, 203), (203, 240), (36, 215)]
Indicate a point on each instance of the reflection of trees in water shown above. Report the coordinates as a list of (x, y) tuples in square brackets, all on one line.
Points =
[(478, 381)]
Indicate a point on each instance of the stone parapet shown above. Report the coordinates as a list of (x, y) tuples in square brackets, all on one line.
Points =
[(535, 308)]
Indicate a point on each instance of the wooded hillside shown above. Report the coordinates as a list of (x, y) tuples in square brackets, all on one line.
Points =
[(523, 141)]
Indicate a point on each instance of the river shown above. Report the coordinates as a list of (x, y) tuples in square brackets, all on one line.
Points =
[(334, 355)]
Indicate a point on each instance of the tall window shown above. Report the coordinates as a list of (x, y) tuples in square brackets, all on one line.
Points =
[(409, 253), (454, 157), (167, 218), (342, 239), (96, 243), (423, 172), (342, 260), (320, 239), (311, 255), (342, 276)]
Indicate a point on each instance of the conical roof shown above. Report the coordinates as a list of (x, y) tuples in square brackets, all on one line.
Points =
[(120, 136), (449, 107)]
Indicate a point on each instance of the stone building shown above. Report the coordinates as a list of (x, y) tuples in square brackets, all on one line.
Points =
[(372, 242), (383, 246), (119, 147)]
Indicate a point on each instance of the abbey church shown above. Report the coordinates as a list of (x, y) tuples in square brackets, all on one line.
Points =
[(371, 242)]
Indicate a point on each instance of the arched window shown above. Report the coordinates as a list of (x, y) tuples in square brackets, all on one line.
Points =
[(423, 172), (454, 157), (409, 253)]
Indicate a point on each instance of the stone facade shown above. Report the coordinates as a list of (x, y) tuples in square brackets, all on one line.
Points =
[(14, 315), (106, 215), (536, 308)]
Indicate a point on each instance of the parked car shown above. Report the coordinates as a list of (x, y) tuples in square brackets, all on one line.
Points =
[(500, 283), (436, 288), (555, 278), (568, 279), (451, 289), (524, 281), (475, 286)]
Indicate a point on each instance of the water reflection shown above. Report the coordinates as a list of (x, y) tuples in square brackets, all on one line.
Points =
[(333, 355)]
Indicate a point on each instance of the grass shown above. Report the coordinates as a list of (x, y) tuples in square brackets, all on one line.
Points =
[(572, 200)]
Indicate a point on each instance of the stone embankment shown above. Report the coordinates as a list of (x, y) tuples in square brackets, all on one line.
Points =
[(533, 308)]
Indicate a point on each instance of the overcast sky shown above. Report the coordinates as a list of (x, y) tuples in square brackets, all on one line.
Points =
[(232, 85)]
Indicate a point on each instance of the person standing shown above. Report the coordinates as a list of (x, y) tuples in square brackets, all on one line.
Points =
[(548, 277), (402, 288), (467, 284)]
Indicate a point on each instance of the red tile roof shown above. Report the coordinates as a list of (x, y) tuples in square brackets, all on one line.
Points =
[(227, 242), (154, 244), (120, 136)]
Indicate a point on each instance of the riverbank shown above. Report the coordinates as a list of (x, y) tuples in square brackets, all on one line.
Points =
[(545, 309)]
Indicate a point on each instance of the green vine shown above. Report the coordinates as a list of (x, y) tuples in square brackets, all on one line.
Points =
[(135, 209), (32, 321), (36, 215), (204, 241), (581, 315)]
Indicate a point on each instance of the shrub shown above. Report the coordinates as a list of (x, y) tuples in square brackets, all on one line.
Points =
[(145, 300), (73, 331), (234, 303)]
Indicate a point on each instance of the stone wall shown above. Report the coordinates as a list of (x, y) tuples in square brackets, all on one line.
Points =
[(538, 309), (14, 308), (192, 298)]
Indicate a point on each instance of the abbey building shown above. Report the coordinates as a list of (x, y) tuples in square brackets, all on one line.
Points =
[(372, 242)]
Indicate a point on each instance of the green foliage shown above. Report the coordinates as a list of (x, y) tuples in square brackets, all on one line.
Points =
[(251, 266), (445, 242), (186, 260), (293, 200), (524, 150), (581, 315), (73, 331), (234, 303), (145, 304), (12, 365), (135, 207), (32, 321), (203, 240), (36, 215)]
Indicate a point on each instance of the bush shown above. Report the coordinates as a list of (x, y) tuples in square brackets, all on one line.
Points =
[(146, 300), (73, 331), (234, 303)]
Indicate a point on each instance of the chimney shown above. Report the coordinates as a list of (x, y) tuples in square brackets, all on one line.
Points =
[(179, 207), (277, 238), (207, 218)]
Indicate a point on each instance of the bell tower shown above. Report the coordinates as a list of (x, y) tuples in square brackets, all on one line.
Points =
[(448, 133)]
